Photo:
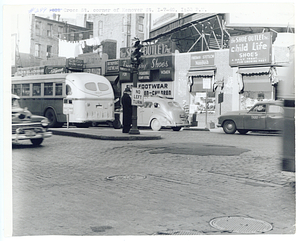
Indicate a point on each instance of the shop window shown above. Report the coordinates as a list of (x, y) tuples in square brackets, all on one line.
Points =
[(154, 75), (36, 89)]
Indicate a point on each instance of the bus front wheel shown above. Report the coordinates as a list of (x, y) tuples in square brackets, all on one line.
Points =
[(51, 116)]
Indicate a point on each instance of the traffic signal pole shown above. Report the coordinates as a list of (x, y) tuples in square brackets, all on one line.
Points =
[(135, 62), (134, 129)]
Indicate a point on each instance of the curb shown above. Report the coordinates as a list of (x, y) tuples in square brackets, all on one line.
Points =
[(106, 137)]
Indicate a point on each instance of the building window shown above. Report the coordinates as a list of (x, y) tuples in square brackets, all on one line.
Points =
[(49, 51), (60, 32), (49, 30), (100, 28), (80, 36), (72, 35), (37, 50), (141, 23), (38, 28)]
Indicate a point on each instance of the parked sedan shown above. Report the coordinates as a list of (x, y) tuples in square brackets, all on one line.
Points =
[(26, 126), (263, 116), (159, 111)]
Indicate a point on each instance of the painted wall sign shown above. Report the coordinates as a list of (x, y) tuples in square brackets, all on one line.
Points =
[(73, 63), (202, 59), (55, 69), (250, 49)]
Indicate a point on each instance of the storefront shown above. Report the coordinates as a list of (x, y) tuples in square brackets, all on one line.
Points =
[(155, 73), (252, 55)]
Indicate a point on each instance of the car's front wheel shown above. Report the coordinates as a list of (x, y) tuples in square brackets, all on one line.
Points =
[(229, 127), (36, 142)]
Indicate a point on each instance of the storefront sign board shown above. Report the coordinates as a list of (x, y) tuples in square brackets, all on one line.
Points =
[(203, 59), (250, 49)]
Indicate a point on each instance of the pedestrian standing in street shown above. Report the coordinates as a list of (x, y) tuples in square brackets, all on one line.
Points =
[(127, 110)]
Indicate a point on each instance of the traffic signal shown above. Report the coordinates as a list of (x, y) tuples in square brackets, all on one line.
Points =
[(136, 53)]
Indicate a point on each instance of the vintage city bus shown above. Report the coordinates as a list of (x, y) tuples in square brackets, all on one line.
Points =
[(82, 97)]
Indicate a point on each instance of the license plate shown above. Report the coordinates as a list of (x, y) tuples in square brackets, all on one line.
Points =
[(30, 133)]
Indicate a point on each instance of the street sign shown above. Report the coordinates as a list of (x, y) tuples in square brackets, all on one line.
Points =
[(68, 107), (137, 97)]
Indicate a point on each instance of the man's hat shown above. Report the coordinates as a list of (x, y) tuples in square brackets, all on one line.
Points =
[(127, 89)]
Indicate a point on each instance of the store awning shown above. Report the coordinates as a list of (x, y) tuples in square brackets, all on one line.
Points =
[(252, 71), (112, 78), (201, 73)]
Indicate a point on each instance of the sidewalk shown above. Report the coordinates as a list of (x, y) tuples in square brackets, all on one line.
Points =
[(104, 134), (116, 134)]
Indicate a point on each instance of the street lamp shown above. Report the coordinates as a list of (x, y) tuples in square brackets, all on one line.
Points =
[(135, 62)]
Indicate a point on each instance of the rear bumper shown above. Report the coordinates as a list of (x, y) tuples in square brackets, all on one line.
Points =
[(17, 137)]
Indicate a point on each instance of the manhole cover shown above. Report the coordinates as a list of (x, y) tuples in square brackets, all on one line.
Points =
[(126, 177), (240, 225), (178, 232)]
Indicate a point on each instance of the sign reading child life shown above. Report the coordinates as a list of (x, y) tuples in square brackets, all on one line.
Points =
[(137, 97)]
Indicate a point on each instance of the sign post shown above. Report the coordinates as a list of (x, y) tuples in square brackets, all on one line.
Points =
[(68, 109), (207, 86)]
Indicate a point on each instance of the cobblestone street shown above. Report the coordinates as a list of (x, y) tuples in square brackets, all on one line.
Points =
[(76, 186)]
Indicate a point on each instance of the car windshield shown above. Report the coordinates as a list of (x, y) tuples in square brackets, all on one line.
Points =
[(15, 103)]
